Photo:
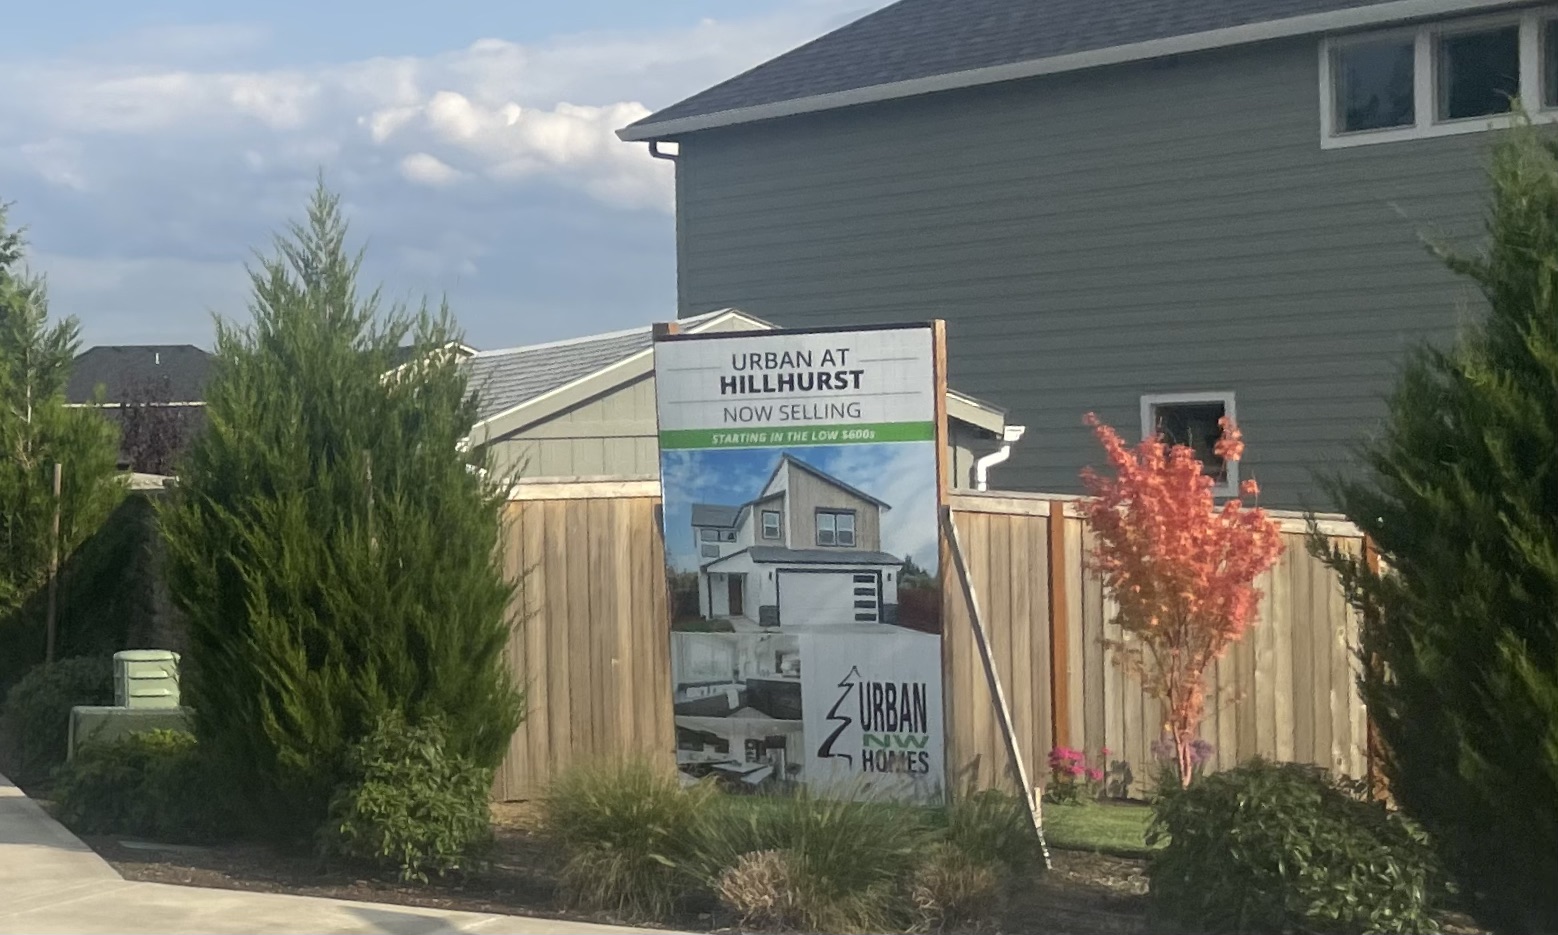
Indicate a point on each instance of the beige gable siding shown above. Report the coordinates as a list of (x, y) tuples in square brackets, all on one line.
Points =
[(808, 492), (612, 435)]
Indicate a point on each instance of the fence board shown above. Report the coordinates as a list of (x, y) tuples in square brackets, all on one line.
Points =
[(1279, 618)]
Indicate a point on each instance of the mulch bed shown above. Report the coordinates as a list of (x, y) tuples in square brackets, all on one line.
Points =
[(1086, 894)]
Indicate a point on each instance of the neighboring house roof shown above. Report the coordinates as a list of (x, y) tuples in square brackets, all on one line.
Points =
[(504, 379), (823, 476), (922, 46), (711, 514), (775, 555), (176, 373), (520, 386)]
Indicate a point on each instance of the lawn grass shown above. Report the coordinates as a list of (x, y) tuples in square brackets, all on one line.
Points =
[(1118, 829)]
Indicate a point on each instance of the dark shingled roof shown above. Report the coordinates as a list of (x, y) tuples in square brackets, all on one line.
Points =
[(173, 373), (710, 514), (927, 38), (775, 555)]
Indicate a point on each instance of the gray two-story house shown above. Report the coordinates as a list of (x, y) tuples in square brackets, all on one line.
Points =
[(1161, 211)]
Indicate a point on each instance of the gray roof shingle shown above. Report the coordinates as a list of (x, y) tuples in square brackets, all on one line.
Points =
[(502, 380), (174, 373), (774, 555), (927, 38), (712, 514)]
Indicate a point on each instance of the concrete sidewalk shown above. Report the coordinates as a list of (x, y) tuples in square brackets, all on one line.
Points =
[(50, 882)]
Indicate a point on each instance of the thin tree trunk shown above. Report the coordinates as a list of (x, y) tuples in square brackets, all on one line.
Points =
[(54, 567)]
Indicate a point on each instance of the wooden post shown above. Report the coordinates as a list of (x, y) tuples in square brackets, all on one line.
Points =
[(1376, 779), (54, 570), (1059, 629), (1031, 796)]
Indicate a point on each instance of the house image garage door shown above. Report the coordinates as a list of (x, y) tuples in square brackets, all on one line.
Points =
[(829, 598)]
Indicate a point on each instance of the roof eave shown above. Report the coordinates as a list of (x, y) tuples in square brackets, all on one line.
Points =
[(649, 129)]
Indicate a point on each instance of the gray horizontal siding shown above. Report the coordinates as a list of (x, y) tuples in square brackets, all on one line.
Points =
[(1096, 236)]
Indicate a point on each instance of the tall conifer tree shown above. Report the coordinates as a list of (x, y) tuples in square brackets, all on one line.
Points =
[(331, 543), (1460, 496), (37, 430)]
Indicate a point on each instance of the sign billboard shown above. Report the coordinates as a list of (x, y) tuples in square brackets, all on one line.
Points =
[(801, 497)]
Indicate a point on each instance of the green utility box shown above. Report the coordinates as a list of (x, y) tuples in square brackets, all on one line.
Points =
[(92, 724), (146, 678)]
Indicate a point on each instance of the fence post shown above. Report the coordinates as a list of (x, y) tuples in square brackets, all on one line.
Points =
[(1059, 629), (1376, 780)]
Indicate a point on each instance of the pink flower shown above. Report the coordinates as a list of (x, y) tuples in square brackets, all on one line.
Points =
[(1105, 752), (1095, 775)]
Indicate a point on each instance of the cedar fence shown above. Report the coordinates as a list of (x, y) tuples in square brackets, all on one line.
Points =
[(591, 644)]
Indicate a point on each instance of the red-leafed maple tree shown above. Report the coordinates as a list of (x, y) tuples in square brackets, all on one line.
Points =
[(1181, 570)]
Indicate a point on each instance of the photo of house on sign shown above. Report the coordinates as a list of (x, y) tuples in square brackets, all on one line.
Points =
[(806, 549), (802, 558)]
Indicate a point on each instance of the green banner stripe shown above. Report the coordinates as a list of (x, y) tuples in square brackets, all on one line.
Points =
[(769, 436)]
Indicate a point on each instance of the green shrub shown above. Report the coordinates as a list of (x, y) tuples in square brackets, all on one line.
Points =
[(152, 784), (847, 861), (1271, 847), (628, 835), (409, 803), (35, 725)]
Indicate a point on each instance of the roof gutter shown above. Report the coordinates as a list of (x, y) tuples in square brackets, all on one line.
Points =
[(1335, 20), (983, 465)]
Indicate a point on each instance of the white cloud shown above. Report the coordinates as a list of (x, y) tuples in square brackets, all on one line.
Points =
[(427, 169), (158, 149)]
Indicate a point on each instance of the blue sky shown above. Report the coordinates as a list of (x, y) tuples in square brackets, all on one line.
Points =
[(149, 146), (901, 474)]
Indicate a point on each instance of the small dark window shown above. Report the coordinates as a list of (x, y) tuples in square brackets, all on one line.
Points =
[(709, 535), (836, 527), (1194, 424), (711, 551), (1550, 63), (1479, 72), (770, 524), (1374, 85)]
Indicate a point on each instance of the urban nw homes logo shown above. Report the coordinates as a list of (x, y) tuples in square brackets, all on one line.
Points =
[(893, 719)]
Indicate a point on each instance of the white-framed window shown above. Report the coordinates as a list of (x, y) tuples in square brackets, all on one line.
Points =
[(708, 535), (710, 550), (1438, 79), (1193, 419), (771, 524), (836, 527)]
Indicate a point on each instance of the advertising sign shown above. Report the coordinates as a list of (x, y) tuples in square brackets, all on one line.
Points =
[(800, 493)]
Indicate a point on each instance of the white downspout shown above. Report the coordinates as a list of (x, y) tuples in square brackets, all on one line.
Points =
[(982, 466)]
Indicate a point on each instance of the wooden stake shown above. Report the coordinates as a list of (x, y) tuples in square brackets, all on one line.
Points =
[(1030, 795), (54, 568)]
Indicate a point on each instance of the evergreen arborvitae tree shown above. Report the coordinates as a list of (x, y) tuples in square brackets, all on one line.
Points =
[(332, 545), (1460, 495), (37, 430)]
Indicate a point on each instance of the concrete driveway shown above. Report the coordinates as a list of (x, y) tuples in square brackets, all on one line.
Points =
[(50, 882)]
